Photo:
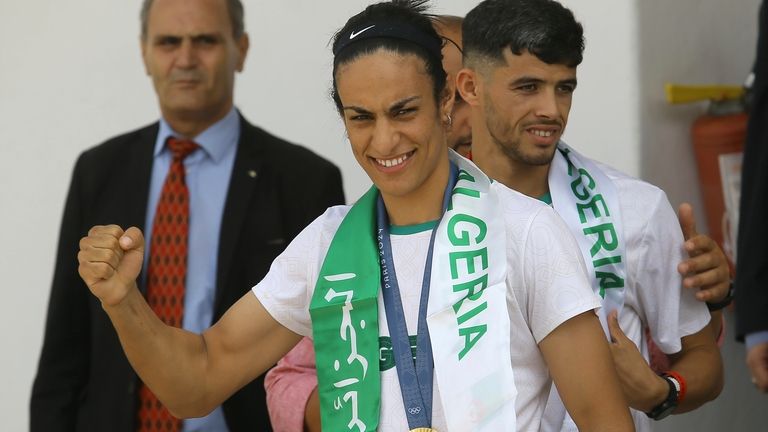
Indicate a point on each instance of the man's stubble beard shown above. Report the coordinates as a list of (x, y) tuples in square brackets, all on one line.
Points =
[(511, 148)]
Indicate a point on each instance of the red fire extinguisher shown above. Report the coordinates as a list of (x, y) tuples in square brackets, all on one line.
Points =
[(718, 141)]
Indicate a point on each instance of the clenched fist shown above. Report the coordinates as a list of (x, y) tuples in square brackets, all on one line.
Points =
[(110, 261)]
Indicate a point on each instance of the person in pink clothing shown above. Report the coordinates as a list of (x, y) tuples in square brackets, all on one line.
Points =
[(292, 397)]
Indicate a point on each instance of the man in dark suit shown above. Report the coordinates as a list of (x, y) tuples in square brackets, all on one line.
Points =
[(249, 195), (752, 266)]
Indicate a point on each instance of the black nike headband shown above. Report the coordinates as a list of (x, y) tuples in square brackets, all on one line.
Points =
[(390, 31)]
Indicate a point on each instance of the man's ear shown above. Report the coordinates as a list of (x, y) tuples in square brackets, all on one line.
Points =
[(469, 85), (242, 48), (143, 44)]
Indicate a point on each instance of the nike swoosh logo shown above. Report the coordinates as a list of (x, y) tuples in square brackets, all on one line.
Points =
[(356, 34)]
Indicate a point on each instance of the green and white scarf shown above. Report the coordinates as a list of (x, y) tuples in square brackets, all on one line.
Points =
[(587, 200), (466, 315)]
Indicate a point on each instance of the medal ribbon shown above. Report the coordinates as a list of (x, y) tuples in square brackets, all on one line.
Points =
[(415, 377)]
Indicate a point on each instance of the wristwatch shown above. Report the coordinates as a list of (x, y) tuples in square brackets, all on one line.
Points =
[(716, 306), (669, 404)]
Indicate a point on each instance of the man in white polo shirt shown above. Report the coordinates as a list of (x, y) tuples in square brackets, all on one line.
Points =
[(520, 59)]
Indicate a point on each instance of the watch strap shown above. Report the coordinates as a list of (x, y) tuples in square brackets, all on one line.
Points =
[(669, 404), (716, 306)]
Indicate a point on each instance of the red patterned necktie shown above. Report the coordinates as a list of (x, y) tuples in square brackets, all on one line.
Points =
[(167, 271)]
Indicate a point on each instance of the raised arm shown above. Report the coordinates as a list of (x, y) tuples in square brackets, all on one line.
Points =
[(580, 362), (190, 373)]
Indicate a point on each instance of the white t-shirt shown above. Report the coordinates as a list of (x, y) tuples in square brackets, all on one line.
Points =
[(546, 283), (654, 296)]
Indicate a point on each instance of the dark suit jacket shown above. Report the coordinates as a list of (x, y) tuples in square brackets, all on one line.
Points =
[(84, 381), (752, 267)]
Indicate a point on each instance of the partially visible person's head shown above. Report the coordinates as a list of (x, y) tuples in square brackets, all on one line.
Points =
[(390, 88), (449, 28), (192, 50), (521, 58)]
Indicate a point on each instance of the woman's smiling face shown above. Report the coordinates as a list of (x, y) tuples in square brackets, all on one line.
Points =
[(393, 122)]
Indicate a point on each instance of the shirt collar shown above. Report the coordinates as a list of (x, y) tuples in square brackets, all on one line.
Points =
[(215, 141)]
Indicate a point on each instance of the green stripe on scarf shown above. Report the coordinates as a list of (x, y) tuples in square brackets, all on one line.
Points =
[(345, 325)]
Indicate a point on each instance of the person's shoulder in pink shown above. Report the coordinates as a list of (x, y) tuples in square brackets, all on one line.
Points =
[(289, 386)]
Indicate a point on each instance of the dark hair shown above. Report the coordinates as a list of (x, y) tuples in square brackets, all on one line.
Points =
[(545, 28), (400, 14), (234, 7)]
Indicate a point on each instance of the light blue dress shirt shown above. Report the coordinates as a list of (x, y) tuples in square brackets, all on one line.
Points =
[(756, 338), (208, 170)]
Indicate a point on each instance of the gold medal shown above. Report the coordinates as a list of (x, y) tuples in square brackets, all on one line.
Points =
[(423, 430)]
